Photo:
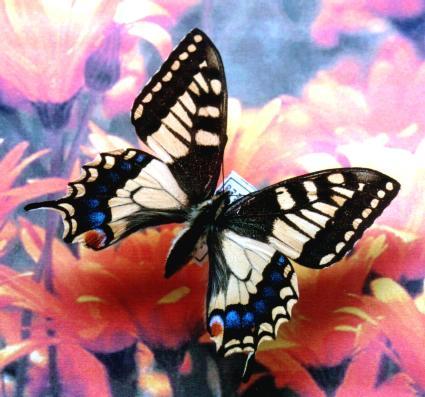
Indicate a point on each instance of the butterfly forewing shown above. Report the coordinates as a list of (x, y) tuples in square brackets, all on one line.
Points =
[(181, 115), (118, 193), (314, 219), (252, 290)]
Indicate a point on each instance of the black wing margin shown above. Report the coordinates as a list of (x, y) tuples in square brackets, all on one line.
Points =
[(314, 219), (181, 114)]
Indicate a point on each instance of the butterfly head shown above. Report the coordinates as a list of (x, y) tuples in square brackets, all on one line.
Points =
[(210, 210)]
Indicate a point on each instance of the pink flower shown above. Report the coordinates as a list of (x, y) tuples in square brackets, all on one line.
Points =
[(45, 44), (11, 166), (141, 21), (120, 97), (11, 196), (351, 16), (372, 118), (403, 223), (350, 103)]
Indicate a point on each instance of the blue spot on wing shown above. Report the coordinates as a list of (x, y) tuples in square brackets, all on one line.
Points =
[(269, 292), (232, 319), (100, 189), (248, 320), (113, 177), (92, 203), (140, 157), (260, 306), (125, 166), (276, 277), (96, 218), (281, 261)]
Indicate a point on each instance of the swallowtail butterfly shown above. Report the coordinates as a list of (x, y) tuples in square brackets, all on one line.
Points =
[(181, 114)]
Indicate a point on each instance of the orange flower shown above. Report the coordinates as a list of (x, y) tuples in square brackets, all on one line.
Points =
[(333, 323), (121, 293), (79, 372), (316, 317), (287, 373), (403, 222), (365, 369), (259, 147), (396, 318), (320, 334), (45, 44)]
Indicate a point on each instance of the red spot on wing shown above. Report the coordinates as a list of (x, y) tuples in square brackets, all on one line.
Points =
[(216, 328), (95, 239)]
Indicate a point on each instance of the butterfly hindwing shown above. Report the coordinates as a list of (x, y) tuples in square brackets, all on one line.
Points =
[(118, 193), (181, 115), (251, 293), (314, 219)]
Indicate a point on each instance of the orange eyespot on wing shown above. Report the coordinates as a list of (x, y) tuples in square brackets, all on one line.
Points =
[(95, 239), (216, 326)]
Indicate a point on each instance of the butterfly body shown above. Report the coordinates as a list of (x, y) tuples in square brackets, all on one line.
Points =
[(181, 114), (200, 223)]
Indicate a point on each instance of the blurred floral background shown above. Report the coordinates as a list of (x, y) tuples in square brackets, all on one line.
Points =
[(312, 84)]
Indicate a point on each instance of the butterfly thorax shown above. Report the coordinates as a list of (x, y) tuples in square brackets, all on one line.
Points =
[(201, 221), (208, 211)]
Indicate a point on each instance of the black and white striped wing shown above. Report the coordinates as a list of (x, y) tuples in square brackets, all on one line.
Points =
[(252, 290), (181, 115), (117, 194), (313, 219)]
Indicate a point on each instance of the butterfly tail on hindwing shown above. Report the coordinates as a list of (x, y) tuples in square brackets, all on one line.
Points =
[(117, 194)]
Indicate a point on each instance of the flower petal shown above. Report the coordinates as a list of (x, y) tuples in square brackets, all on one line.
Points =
[(11, 353), (155, 34)]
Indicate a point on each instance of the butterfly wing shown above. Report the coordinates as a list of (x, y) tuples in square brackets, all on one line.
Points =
[(181, 115), (314, 219), (251, 292), (118, 193)]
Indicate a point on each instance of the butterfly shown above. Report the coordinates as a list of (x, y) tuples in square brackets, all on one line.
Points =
[(181, 114)]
